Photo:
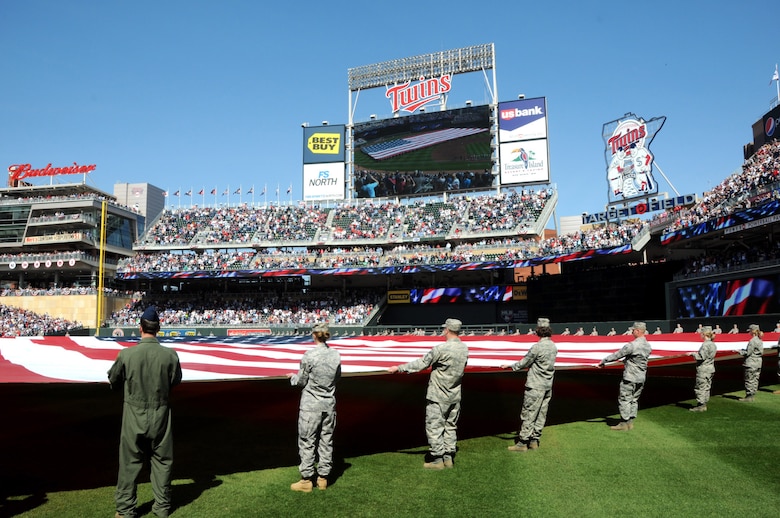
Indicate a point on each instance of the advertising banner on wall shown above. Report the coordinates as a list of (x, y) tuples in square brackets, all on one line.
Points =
[(767, 127), (323, 181), (524, 161), (525, 119), (322, 144), (522, 137)]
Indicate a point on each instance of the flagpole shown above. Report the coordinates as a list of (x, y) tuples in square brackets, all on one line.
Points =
[(776, 79), (777, 83)]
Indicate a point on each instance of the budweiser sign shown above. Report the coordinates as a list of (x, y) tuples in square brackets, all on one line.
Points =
[(21, 171), (411, 97)]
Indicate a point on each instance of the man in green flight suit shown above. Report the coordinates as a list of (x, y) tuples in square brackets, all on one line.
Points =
[(146, 373)]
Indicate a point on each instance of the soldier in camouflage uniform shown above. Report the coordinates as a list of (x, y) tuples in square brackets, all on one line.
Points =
[(635, 355), (705, 369), (447, 362), (146, 373), (540, 362), (319, 371), (753, 359)]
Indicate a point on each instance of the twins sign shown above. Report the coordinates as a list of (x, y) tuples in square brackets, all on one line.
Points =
[(629, 160)]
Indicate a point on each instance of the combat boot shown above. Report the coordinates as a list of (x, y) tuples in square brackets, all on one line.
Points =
[(304, 485), (322, 483), (447, 460), (699, 408), (533, 444), (436, 463), (622, 426), (747, 399)]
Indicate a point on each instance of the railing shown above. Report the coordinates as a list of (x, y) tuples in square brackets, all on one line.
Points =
[(682, 276)]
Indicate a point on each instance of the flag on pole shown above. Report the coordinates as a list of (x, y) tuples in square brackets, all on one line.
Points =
[(165, 193), (188, 193), (289, 189), (214, 191), (251, 190), (264, 188), (176, 193), (238, 191), (226, 192), (277, 189), (775, 76), (200, 192)]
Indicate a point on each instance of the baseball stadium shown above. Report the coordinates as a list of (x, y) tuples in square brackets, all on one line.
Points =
[(439, 212)]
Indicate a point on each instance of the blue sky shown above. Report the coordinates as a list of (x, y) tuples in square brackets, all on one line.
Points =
[(194, 94)]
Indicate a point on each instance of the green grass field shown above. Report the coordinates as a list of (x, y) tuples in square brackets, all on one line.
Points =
[(236, 456)]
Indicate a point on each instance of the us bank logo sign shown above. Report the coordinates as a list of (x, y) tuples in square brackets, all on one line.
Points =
[(522, 120), (629, 159)]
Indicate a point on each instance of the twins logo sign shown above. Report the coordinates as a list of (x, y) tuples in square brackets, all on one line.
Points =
[(629, 160)]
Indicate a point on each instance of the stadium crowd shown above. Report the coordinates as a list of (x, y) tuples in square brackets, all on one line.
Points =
[(487, 228), (21, 322), (748, 187), (289, 309)]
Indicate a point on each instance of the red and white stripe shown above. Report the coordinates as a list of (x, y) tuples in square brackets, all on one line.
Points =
[(87, 359)]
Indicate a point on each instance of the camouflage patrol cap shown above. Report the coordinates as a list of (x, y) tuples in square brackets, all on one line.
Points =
[(754, 327), (639, 325), (322, 327), (543, 322), (453, 324)]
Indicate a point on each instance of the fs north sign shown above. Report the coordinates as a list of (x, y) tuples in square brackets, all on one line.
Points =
[(323, 181), (323, 144), (629, 160)]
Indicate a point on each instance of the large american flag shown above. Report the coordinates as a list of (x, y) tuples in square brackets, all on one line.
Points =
[(397, 147), (87, 359)]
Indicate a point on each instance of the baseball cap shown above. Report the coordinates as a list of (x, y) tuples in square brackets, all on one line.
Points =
[(151, 314), (639, 325), (453, 324)]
